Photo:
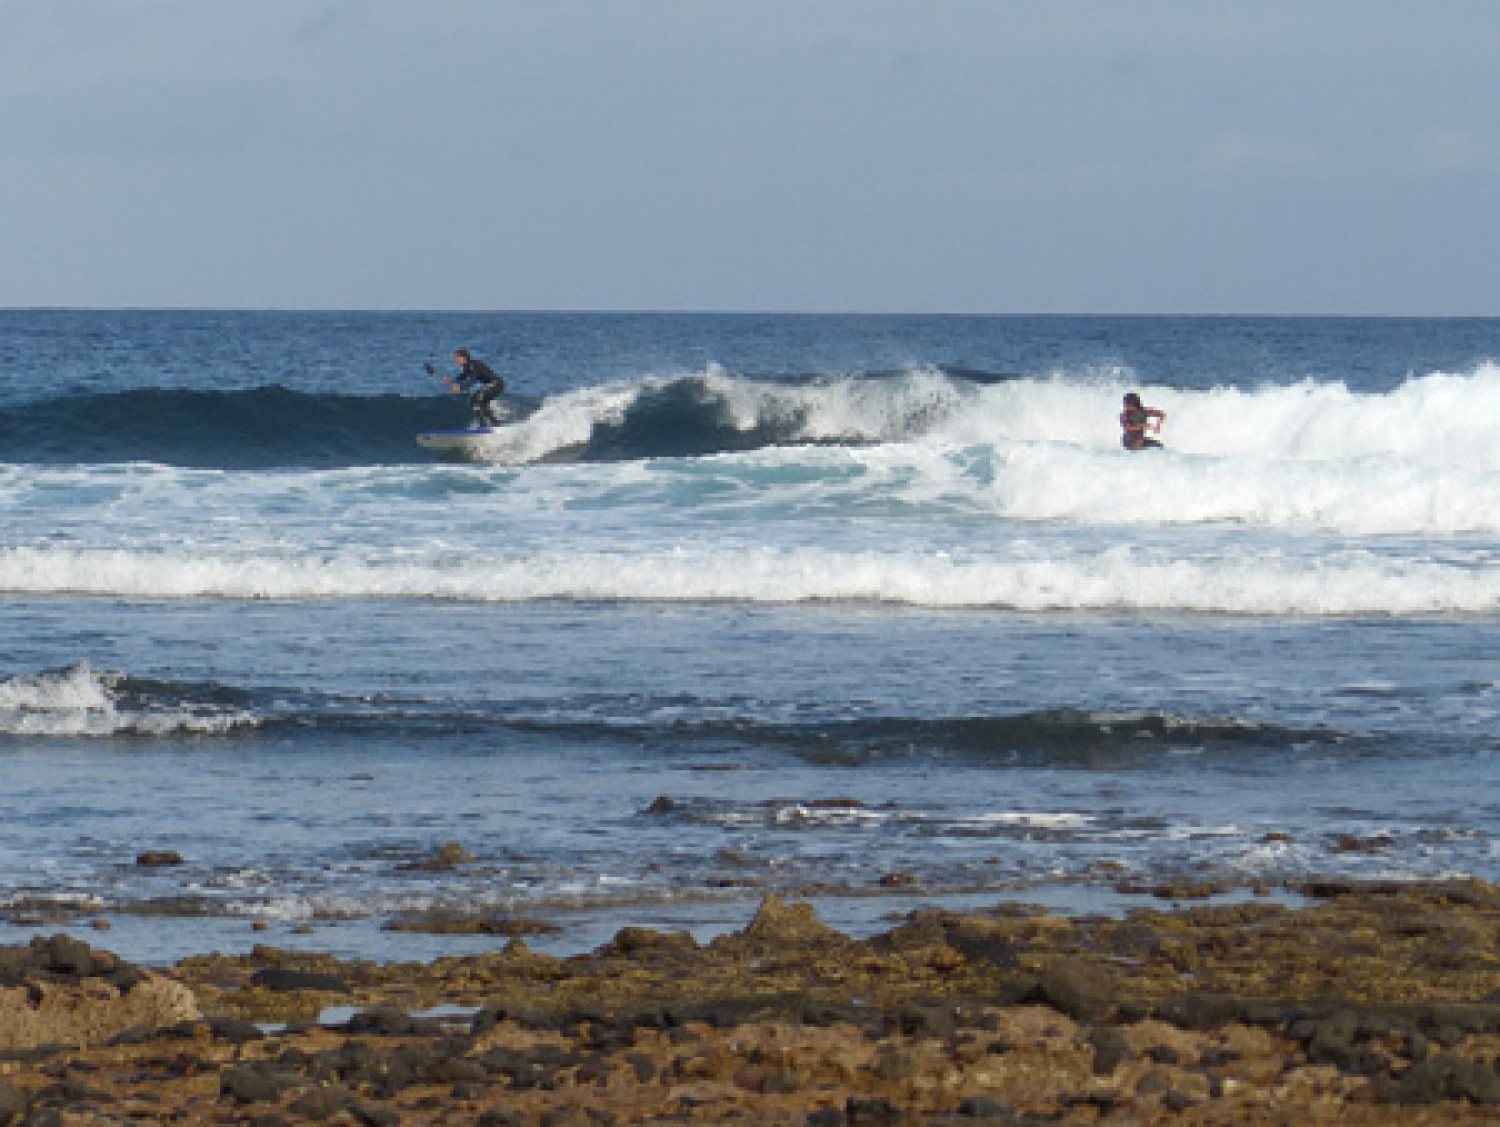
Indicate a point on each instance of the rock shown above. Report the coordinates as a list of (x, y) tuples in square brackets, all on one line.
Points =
[(922, 1021), (779, 923), (1350, 843), (1077, 988), (662, 805), (384, 1021), (781, 1082), (894, 1066), (987, 1109), (322, 1103), (1110, 1050), (1446, 1076), (13, 1104), (1333, 1039), (285, 979), (234, 1031), (976, 944), (871, 1111), (633, 942), (444, 921), (158, 858), (449, 856), (62, 954), (1153, 1083), (90, 1010), (256, 1084), (1200, 1012)]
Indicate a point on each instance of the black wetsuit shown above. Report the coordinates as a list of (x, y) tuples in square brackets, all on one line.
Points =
[(490, 387)]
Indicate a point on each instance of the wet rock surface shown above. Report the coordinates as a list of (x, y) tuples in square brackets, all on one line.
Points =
[(1378, 1005)]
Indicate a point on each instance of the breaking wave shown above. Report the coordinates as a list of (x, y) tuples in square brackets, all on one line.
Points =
[(1432, 420), (81, 701)]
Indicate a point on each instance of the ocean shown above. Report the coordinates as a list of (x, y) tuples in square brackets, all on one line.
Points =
[(869, 610)]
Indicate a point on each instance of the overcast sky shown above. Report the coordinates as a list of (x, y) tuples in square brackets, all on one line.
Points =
[(1199, 156)]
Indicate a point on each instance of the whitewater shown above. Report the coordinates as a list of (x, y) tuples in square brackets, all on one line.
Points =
[(919, 488)]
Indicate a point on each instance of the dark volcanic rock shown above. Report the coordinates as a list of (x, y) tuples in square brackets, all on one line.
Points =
[(234, 1031), (871, 1111), (1200, 1011), (1446, 1076), (282, 979), (12, 1105), (1110, 1050), (986, 1110), (158, 858), (256, 1084), (62, 954), (1077, 988), (322, 1103), (633, 942)]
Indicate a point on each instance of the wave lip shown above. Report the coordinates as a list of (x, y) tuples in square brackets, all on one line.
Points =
[(80, 701)]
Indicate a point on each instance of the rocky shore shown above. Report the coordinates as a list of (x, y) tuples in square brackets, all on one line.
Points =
[(1375, 1004)]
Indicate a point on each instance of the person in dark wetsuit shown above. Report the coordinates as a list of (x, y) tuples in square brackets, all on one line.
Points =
[(476, 373), (1135, 420)]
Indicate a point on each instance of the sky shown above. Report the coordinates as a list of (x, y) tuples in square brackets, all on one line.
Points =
[(978, 156)]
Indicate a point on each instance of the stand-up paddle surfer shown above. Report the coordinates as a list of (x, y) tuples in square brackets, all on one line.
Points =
[(1135, 420), (472, 373)]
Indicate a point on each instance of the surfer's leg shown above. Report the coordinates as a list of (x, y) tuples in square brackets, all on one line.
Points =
[(486, 401)]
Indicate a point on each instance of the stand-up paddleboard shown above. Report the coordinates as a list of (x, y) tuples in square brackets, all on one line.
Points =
[(471, 441)]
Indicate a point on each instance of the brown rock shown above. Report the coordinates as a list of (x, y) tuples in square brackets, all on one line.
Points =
[(1077, 988), (158, 858), (89, 1012), (781, 923)]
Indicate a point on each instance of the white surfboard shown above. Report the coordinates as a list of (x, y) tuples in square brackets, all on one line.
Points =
[(469, 441)]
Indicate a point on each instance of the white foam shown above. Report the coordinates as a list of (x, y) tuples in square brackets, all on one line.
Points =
[(81, 701), (1437, 419), (562, 424), (1116, 579), (1422, 459), (1034, 820)]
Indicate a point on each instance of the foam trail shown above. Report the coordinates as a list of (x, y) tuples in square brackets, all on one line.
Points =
[(1260, 582)]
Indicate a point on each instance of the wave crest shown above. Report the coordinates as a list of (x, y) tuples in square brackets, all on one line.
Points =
[(82, 701)]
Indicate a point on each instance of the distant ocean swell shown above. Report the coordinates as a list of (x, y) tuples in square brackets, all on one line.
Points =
[(1432, 420)]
